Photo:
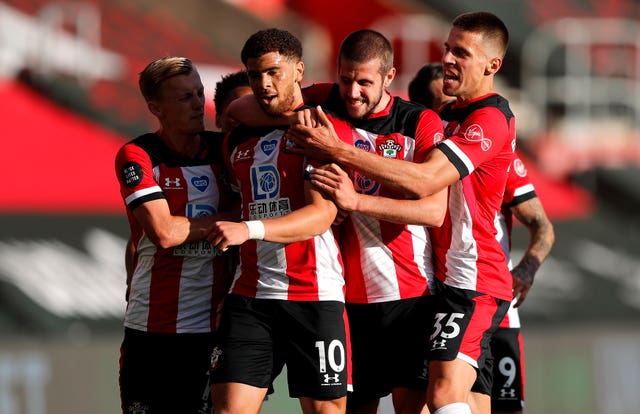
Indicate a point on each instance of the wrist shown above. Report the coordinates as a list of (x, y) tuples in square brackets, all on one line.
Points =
[(256, 229)]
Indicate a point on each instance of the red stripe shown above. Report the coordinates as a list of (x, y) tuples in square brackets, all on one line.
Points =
[(410, 281), (167, 269), (303, 277), (163, 295)]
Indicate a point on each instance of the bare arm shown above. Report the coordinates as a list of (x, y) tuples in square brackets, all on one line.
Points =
[(335, 182), (165, 230), (435, 174), (246, 110), (301, 224), (541, 239)]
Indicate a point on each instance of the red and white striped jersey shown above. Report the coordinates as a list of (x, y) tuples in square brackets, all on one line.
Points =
[(172, 290), (518, 190), (385, 261), (480, 144), (271, 183)]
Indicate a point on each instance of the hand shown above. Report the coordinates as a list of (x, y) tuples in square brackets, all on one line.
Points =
[(314, 138), (334, 182), (523, 275), (228, 233), (340, 217), (306, 117)]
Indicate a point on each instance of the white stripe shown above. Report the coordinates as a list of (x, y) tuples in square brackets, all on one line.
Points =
[(460, 154), (194, 300), (422, 252), (328, 269), (527, 188), (137, 312), (142, 193), (462, 255), (468, 359), (376, 259)]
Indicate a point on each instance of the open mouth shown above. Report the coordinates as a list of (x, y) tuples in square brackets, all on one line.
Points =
[(267, 99)]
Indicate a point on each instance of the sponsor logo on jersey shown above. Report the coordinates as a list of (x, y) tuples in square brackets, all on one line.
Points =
[(131, 174), (201, 183), (172, 183), (265, 182), (363, 145), (269, 146), (475, 134), (364, 184), (242, 155), (438, 137), (519, 168)]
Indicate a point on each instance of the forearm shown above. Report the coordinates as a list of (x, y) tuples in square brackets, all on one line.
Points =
[(301, 224), (428, 211)]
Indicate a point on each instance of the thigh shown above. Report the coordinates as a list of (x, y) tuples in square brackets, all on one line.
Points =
[(463, 323), (314, 339), (507, 393), (244, 349)]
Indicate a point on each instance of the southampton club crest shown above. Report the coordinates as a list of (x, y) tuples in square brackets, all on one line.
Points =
[(390, 149)]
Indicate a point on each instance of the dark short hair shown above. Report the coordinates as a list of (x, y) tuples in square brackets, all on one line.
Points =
[(160, 70), (419, 90), (364, 45), (271, 40), (225, 85), (488, 24)]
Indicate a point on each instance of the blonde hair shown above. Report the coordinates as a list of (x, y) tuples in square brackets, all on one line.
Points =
[(160, 70)]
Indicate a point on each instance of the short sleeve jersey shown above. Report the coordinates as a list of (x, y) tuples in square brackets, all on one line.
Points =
[(384, 261), (518, 190), (172, 290), (271, 181), (480, 141)]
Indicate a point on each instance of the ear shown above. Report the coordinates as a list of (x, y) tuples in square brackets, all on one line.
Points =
[(493, 66), (154, 108), (388, 78), (299, 71)]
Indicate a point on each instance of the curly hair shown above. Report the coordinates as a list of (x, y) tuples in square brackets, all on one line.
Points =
[(271, 40), (225, 85)]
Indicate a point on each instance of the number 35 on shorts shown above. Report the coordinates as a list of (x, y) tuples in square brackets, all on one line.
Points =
[(445, 327)]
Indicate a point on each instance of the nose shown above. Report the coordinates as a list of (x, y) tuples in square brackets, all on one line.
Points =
[(447, 57), (265, 81), (353, 90)]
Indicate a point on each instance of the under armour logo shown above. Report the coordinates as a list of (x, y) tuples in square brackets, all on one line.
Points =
[(168, 182), (439, 344), (511, 393), (240, 155), (335, 378)]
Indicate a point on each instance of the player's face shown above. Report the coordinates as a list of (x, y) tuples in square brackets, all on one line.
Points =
[(439, 98), (235, 93), (273, 79), (180, 107), (362, 87), (465, 64)]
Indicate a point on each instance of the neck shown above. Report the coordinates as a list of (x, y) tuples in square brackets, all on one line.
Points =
[(187, 145)]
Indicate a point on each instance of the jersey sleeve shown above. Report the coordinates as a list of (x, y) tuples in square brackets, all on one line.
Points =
[(135, 176), (519, 187), (429, 132), (317, 93), (481, 137)]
